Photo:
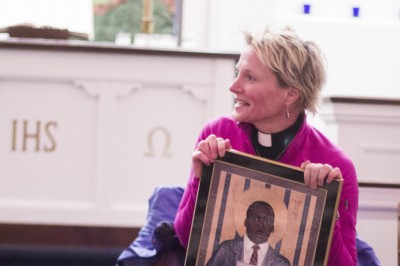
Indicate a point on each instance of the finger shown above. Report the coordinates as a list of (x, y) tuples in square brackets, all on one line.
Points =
[(212, 142), (228, 144), (221, 147), (307, 175), (204, 148), (304, 164), (314, 172), (324, 170), (198, 159), (335, 173), (199, 156)]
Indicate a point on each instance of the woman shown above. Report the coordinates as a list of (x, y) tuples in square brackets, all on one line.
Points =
[(279, 78)]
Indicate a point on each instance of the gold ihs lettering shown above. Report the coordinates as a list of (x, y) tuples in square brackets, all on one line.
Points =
[(14, 135), (38, 132), (53, 144), (35, 135)]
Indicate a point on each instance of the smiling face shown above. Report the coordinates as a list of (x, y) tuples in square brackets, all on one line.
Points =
[(259, 222), (258, 97)]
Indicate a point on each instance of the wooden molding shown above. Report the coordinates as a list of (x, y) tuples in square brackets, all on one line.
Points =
[(87, 46), (73, 236), (362, 100)]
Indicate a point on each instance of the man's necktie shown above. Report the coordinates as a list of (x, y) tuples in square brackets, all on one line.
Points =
[(254, 256)]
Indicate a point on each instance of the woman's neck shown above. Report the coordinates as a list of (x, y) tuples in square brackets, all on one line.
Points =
[(278, 125)]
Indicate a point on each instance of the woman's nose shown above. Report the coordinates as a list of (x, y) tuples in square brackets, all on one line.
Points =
[(235, 86)]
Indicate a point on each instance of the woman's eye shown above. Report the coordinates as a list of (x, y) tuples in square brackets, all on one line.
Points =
[(250, 77)]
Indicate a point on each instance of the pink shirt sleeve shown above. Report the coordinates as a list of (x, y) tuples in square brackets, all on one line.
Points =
[(343, 247), (184, 215)]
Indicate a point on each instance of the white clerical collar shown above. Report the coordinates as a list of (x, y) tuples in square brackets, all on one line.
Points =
[(264, 139)]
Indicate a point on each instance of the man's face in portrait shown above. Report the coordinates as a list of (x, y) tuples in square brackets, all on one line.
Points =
[(259, 222)]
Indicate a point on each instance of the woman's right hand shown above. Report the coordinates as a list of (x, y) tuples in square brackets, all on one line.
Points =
[(207, 151)]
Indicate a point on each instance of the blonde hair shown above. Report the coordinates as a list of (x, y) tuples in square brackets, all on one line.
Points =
[(296, 63)]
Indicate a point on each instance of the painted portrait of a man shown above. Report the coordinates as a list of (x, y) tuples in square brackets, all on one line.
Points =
[(252, 248)]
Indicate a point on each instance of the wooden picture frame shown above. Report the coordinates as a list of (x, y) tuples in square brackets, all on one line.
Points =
[(304, 217)]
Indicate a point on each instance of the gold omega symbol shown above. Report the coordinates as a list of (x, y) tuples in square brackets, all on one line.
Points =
[(151, 150)]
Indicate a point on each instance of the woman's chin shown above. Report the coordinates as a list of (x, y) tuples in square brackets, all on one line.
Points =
[(237, 117), (240, 119)]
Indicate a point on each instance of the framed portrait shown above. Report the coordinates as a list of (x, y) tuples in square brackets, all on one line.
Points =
[(303, 218)]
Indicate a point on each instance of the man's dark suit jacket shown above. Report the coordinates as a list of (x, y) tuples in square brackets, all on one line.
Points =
[(231, 251)]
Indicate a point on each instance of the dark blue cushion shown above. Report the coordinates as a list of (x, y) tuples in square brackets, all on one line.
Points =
[(163, 205), (365, 254)]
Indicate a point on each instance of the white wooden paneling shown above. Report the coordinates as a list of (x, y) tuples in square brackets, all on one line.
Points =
[(369, 133), (103, 128), (368, 130), (377, 222)]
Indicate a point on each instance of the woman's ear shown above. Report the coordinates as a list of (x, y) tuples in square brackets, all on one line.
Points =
[(292, 95)]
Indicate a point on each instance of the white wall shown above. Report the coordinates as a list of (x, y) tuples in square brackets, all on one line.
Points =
[(227, 17), (361, 52)]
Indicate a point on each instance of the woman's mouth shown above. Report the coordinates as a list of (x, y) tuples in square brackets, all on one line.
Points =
[(240, 103)]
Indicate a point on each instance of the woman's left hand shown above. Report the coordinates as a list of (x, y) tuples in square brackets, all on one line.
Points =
[(316, 174)]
